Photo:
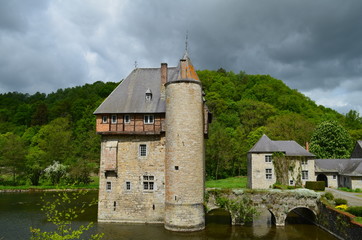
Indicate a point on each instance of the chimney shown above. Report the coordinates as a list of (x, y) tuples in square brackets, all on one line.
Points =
[(163, 73), (307, 146), (183, 69)]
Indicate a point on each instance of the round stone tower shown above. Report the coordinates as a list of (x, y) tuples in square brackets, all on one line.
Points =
[(185, 161)]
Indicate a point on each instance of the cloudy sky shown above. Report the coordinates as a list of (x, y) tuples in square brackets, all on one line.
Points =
[(313, 46)]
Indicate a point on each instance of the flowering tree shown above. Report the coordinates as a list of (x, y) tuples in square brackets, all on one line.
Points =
[(55, 172)]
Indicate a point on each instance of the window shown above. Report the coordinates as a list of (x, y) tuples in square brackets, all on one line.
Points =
[(109, 186), (128, 185), (291, 182), (305, 175), (304, 162), (148, 95), (114, 119), (148, 182), (104, 119), (334, 176), (127, 118), (268, 173), (148, 119), (268, 158), (143, 150)]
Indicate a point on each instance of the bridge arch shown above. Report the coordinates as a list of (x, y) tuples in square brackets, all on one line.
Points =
[(304, 212)]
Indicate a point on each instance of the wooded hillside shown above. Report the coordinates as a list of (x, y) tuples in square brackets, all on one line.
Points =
[(38, 129)]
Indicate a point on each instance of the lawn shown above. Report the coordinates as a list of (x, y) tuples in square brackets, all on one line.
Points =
[(232, 182), (358, 219)]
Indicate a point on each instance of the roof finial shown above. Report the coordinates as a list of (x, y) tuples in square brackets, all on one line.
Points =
[(186, 42), (135, 64)]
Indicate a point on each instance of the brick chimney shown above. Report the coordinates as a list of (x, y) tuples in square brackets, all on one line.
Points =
[(183, 69), (164, 72), (307, 146)]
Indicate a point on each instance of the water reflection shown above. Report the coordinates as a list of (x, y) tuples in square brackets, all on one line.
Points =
[(19, 211)]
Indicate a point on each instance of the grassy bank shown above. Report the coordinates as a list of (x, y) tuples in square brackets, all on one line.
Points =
[(228, 183), (93, 185)]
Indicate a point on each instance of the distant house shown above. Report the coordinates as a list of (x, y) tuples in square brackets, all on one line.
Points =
[(261, 171), (341, 172)]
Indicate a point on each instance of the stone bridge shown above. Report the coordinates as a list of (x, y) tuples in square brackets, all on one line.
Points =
[(278, 202)]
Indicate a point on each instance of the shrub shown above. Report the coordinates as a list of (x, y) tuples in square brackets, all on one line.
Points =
[(340, 201), (315, 185), (357, 211), (342, 207), (329, 196)]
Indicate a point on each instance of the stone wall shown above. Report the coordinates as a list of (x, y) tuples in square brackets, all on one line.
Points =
[(136, 204), (339, 223)]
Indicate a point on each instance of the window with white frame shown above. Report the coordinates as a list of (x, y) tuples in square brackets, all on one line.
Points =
[(268, 173), (128, 185), (149, 119), (143, 150), (109, 186), (268, 158), (148, 182), (127, 118), (291, 182), (114, 119), (104, 119), (305, 175)]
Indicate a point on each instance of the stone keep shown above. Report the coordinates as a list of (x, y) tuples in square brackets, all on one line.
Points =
[(153, 127)]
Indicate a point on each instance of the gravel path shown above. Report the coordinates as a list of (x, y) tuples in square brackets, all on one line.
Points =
[(352, 198)]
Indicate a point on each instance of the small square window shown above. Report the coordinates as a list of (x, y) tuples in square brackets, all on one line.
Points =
[(104, 119), (128, 185), (291, 182), (109, 186), (304, 162), (334, 176), (176, 167), (143, 150), (305, 175), (149, 119), (268, 173), (148, 182), (114, 119), (127, 118), (268, 158)]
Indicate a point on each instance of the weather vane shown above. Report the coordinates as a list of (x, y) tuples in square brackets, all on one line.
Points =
[(186, 41), (135, 64)]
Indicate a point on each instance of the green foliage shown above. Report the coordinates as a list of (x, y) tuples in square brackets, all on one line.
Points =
[(329, 196), (315, 185), (340, 201), (331, 140), (355, 210), (60, 214), (349, 190)]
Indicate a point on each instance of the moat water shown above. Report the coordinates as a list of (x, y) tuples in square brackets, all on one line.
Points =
[(20, 211)]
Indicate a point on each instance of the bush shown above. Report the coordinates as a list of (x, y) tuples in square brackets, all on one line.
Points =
[(315, 185), (340, 201), (357, 211), (329, 196)]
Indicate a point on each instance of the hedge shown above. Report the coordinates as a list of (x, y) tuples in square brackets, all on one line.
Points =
[(315, 185)]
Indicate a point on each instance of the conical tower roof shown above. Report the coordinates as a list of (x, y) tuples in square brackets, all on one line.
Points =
[(187, 70)]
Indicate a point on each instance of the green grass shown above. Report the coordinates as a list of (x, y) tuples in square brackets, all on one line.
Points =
[(93, 185), (358, 219), (232, 182)]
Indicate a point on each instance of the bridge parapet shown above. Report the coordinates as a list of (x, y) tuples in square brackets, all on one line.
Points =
[(278, 202)]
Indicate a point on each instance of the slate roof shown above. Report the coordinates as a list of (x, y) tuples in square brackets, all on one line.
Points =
[(129, 95), (290, 148), (347, 167), (357, 151)]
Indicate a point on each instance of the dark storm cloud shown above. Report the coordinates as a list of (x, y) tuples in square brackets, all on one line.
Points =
[(45, 45)]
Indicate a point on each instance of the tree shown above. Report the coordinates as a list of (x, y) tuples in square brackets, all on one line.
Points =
[(55, 172), (12, 154), (331, 140), (61, 215), (353, 120)]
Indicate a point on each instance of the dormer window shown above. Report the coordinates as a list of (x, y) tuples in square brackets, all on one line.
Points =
[(148, 95)]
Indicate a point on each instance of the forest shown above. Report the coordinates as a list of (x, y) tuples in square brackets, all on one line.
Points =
[(52, 136)]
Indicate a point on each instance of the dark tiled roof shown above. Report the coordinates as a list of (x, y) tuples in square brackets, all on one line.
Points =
[(348, 167), (129, 95), (357, 151), (290, 148)]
